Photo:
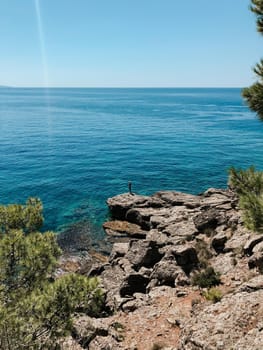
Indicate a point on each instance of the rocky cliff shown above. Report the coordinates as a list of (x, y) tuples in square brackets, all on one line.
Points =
[(183, 274)]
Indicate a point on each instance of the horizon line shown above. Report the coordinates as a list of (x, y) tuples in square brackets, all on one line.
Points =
[(121, 87)]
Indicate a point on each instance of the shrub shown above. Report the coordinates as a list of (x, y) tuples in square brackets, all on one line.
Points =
[(248, 185), (213, 294), (246, 181), (206, 278)]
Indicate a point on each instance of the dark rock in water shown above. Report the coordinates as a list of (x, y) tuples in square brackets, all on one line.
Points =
[(76, 237)]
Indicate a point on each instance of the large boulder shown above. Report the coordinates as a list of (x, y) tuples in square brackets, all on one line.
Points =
[(118, 250), (208, 220), (143, 253), (119, 228), (174, 198), (185, 256), (219, 241), (119, 205), (86, 328), (166, 272)]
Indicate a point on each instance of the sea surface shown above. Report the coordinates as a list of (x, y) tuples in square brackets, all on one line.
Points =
[(74, 148)]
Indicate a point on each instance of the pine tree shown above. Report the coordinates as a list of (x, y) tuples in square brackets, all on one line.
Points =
[(248, 184), (253, 95), (35, 310)]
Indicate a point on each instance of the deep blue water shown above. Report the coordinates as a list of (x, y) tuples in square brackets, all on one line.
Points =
[(74, 148)]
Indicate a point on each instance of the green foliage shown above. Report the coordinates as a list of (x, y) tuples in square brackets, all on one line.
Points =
[(246, 181), (248, 184), (213, 294), (34, 309), (27, 217), (39, 319), (206, 278), (257, 8), (252, 206), (253, 95), (26, 262)]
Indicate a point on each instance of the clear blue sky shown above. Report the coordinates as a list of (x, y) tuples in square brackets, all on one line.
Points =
[(130, 43)]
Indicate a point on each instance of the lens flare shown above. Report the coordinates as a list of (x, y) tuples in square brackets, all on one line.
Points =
[(42, 45)]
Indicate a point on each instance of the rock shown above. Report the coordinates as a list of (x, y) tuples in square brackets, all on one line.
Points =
[(86, 328), (118, 250), (258, 248), (143, 253), (237, 241), (224, 323), (111, 279), (166, 272), (135, 216), (180, 231), (185, 256), (256, 261), (208, 220), (253, 340), (123, 228), (68, 343), (251, 243), (142, 216), (159, 237), (148, 278), (74, 262), (256, 283), (218, 242), (220, 199), (133, 283), (174, 198), (95, 270), (140, 300), (119, 205), (104, 343)]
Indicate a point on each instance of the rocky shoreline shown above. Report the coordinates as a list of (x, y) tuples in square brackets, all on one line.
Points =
[(161, 244)]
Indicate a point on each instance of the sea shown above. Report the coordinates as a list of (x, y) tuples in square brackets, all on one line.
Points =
[(75, 147)]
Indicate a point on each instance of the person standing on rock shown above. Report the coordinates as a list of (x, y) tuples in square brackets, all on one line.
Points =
[(130, 187)]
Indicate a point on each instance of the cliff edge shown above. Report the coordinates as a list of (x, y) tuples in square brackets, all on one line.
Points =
[(183, 274)]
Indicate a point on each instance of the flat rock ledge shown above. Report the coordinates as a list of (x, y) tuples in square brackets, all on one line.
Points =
[(159, 243)]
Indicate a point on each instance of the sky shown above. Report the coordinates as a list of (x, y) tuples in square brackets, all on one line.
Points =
[(128, 43)]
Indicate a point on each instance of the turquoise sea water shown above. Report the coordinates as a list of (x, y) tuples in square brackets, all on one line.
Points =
[(74, 148)]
